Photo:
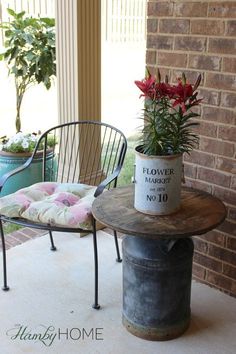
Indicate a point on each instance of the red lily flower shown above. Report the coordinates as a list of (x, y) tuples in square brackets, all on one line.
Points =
[(163, 90), (181, 93), (147, 86)]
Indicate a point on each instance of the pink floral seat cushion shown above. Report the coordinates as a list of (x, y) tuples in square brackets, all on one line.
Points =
[(60, 204)]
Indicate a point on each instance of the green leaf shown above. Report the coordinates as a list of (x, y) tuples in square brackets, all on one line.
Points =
[(14, 53), (8, 33), (28, 38), (30, 56), (20, 14), (11, 12), (50, 22)]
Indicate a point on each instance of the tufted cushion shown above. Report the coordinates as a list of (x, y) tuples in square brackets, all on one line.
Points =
[(60, 204)]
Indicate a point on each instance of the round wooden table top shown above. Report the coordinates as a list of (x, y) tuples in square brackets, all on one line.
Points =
[(199, 212)]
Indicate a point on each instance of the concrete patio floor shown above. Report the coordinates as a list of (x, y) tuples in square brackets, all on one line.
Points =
[(51, 294)]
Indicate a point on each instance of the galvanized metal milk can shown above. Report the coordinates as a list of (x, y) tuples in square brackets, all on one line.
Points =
[(156, 286)]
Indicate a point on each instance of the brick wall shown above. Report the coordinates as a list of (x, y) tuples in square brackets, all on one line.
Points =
[(200, 36)]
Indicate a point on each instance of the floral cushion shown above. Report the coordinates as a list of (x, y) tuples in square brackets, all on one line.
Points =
[(60, 204)]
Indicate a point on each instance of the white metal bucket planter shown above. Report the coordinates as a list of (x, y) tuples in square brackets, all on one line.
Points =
[(157, 183)]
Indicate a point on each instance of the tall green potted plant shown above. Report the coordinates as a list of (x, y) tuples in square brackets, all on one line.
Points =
[(166, 135), (30, 56)]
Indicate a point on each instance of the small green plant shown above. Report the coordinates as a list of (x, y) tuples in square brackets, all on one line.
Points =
[(30, 53), (9, 228), (127, 171), (168, 115)]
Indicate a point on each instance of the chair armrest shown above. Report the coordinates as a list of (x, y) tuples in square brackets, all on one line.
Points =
[(9, 174), (105, 182)]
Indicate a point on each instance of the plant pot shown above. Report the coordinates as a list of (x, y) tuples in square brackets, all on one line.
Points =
[(157, 183), (33, 174)]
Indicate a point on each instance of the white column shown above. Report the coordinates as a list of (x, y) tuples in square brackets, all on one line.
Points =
[(67, 60), (78, 38)]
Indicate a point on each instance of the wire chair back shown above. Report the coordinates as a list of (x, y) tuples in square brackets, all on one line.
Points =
[(81, 152)]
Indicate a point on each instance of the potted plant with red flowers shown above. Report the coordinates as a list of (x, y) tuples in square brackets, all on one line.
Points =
[(166, 135)]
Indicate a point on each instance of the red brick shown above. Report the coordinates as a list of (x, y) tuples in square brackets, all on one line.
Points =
[(206, 129), (198, 271), (207, 262), (231, 28), (199, 185), (222, 45), (229, 64), (227, 165), (221, 281), (217, 147), (7, 245), (204, 62), (228, 227), (190, 43), (174, 26), (159, 42), (190, 170), (191, 76), (222, 254), (200, 158), (150, 57), (210, 97), (222, 9), (216, 237), (227, 133), (191, 9), (228, 99), (227, 196), (218, 115), (164, 71), (159, 9), (233, 183), (200, 245), (231, 243), (214, 177), (172, 59), (195, 109), (20, 236), (152, 25), (214, 160), (207, 27), (12, 240), (232, 213), (221, 81), (33, 232), (229, 270)]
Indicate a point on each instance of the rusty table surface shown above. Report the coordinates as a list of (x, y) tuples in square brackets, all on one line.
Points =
[(199, 212)]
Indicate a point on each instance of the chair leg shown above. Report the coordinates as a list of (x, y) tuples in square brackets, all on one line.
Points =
[(96, 304), (5, 286), (53, 247), (118, 259)]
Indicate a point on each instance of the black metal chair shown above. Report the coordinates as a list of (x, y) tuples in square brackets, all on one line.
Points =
[(85, 152)]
